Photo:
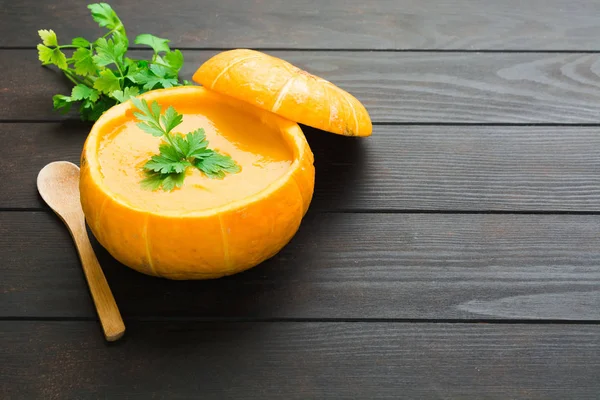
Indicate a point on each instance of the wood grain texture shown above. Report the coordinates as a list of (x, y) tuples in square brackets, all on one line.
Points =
[(358, 304), (422, 266), (398, 168), (301, 360), (27, 149), (406, 87), (379, 24)]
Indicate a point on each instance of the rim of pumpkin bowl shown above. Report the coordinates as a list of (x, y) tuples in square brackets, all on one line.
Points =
[(291, 132)]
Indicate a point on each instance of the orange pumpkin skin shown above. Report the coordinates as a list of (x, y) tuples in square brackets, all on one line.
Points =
[(204, 244), (276, 85)]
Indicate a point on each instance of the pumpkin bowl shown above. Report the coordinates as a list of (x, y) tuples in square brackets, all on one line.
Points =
[(188, 234)]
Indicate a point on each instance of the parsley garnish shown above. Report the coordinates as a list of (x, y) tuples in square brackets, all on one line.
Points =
[(102, 74), (178, 151)]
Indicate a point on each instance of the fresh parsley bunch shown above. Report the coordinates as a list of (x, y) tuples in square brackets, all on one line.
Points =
[(178, 152), (102, 75)]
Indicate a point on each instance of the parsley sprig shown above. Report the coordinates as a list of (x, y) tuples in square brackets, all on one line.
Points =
[(102, 74), (178, 152)]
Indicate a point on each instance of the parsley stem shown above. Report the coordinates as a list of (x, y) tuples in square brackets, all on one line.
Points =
[(120, 72), (168, 137), (76, 79), (117, 28), (71, 78)]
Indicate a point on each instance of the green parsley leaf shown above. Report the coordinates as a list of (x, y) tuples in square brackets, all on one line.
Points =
[(81, 92), (152, 119), (108, 52), (169, 161), (169, 152), (142, 105), (91, 111), (107, 82), (157, 44), (125, 94), (154, 181), (120, 37), (161, 71), (150, 128), (197, 143), (52, 56), (149, 80), (171, 119), (193, 145), (104, 15), (174, 59), (61, 103), (84, 62), (150, 114), (130, 67), (81, 42), (172, 181), (48, 37), (181, 144), (139, 76), (215, 165), (162, 82)]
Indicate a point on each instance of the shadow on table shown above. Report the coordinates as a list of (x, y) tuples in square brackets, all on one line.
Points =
[(340, 165), (279, 287)]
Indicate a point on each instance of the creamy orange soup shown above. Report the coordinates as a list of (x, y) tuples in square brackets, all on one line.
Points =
[(259, 150)]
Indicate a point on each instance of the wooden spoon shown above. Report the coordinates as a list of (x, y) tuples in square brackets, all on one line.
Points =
[(58, 184)]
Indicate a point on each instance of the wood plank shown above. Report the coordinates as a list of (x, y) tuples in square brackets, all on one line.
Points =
[(399, 168), (426, 266), (378, 24), (406, 87), (27, 148), (301, 360)]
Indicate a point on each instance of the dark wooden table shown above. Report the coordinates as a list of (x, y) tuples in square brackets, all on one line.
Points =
[(454, 254)]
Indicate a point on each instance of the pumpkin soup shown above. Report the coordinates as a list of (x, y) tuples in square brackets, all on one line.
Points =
[(258, 149)]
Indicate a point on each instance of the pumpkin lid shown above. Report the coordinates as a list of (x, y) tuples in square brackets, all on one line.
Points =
[(276, 85)]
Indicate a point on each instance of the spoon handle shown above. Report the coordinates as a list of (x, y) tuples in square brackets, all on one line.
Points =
[(106, 306)]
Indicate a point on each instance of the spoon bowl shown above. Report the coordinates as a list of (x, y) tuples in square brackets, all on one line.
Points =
[(58, 184)]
